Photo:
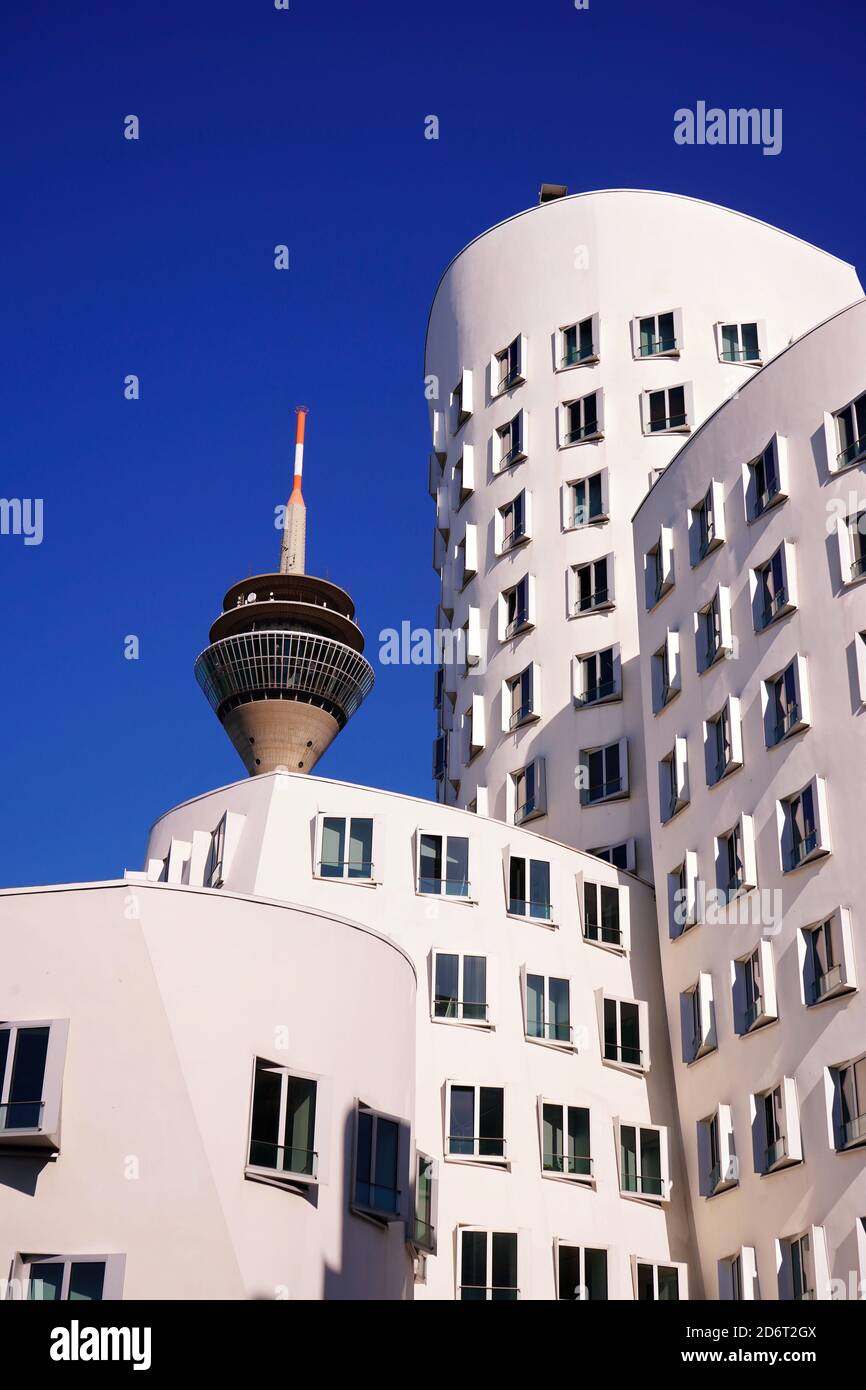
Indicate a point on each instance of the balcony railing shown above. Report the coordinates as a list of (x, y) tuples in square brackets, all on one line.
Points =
[(21, 1114), (790, 717), (775, 1152), (589, 601), (526, 809), (626, 1053), (599, 791), (653, 345), (346, 868), (740, 354), (824, 983), (586, 431), (520, 714), (858, 568), (763, 499), (599, 691), (467, 1011), (514, 536), (575, 1165), (551, 1032), (525, 907), (511, 455), (448, 887), (283, 1158), (489, 1293), (854, 1130), (773, 606), (670, 422), (572, 356), (802, 848), (752, 1013), (712, 649), (519, 621), (607, 935), (852, 452), (509, 378), (476, 1146), (646, 1186), (377, 1197)]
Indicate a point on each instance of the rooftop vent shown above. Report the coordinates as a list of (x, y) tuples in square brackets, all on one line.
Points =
[(550, 191)]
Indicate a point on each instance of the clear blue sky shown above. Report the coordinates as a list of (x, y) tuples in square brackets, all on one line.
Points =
[(155, 257)]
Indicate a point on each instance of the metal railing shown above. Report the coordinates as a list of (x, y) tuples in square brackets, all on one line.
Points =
[(577, 354), (706, 542), (826, 982), (424, 1233), (582, 432), (721, 767), (519, 621), (752, 1013), (525, 907), (520, 714), (489, 1293), (514, 537), (601, 790), (608, 936), (740, 354), (467, 1011), (449, 887), (284, 665), (550, 1032), (858, 567), (790, 717), (854, 1130), (774, 606), (588, 601), (655, 345), (802, 849), (597, 692), (851, 452), (775, 1152), (283, 1158), (576, 1165), (479, 1146), (336, 868), (525, 809), (509, 378), (712, 649), (377, 1197), (623, 1052), (763, 499), (21, 1114), (647, 1186), (671, 422), (511, 455)]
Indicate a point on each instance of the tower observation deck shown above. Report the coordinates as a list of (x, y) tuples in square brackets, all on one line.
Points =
[(285, 668)]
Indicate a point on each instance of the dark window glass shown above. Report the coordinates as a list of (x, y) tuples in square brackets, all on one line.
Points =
[(86, 1281), (28, 1073)]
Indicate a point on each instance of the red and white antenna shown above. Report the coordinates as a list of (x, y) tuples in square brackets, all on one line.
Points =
[(294, 547)]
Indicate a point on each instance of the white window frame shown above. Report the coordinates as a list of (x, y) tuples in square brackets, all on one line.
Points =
[(474, 725), (674, 795), (277, 1176), (819, 835), (731, 715), (698, 1019), (787, 1149), (725, 1173), (623, 791), (538, 806), (502, 544), (444, 837), (739, 1270), (460, 1019), (523, 1257), (578, 677), (570, 519), (46, 1134), (759, 504), (514, 432), (667, 679), (378, 841), (503, 382), (618, 1063), (517, 625), (744, 828), (461, 400), (754, 974), (620, 947), (785, 597), (418, 1240), (836, 451), (655, 1266), (664, 1161), (592, 357), (528, 859), (850, 1134), (464, 474), (467, 551), (797, 716), (582, 1286), (112, 1285), (377, 1214), (712, 504), (851, 540), (838, 977), (564, 433), (761, 333), (494, 1160), (667, 352), (687, 388), (720, 603), (658, 564), (562, 1175), (600, 605), (562, 1044), (683, 880), (525, 714)]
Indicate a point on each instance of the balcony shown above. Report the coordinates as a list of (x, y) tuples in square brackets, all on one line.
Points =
[(588, 431), (575, 355), (764, 498), (670, 422)]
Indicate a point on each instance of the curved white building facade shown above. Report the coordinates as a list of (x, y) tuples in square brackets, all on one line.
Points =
[(754, 690), (617, 321)]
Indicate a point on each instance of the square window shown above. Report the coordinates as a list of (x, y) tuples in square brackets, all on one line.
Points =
[(512, 441), (849, 1103), (625, 1033), (773, 588), (643, 1161), (69, 1278), (658, 335), (786, 703), (598, 677), (581, 420), (508, 367), (346, 843), (804, 827), (603, 915), (520, 698), (460, 988), (654, 1282), (713, 635), (668, 410), (740, 342), (754, 983), (592, 585), (604, 773), (529, 888), (828, 958), (766, 479), (578, 343), (528, 792), (776, 1130), (443, 865)]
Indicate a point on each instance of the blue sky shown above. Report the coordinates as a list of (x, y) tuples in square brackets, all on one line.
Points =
[(155, 257)]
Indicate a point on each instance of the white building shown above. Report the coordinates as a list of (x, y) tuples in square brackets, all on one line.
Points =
[(334, 1042), (754, 690)]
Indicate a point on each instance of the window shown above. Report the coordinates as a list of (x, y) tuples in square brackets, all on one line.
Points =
[(547, 1007), (379, 1141), (464, 474), (529, 888), (528, 788), (643, 1161), (714, 638), (674, 781), (667, 411), (426, 1192), (797, 1274), (460, 987), (581, 420), (71, 1278), (698, 1018), (623, 1030), (471, 639), (857, 546), (719, 1168), (707, 523), (755, 989), (476, 1122), (448, 853), (658, 335), (622, 855), (766, 479), (520, 698), (467, 555), (473, 723), (657, 1283), (283, 1123), (804, 826), (735, 859), (31, 1073), (683, 896), (565, 1143), (723, 742), (851, 433), (488, 1266), (581, 1272), (578, 343), (592, 585), (461, 400), (440, 757), (587, 501), (774, 592), (786, 703), (740, 342), (512, 441), (603, 919), (213, 874), (666, 674), (598, 677), (659, 568), (828, 965), (777, 1127), (738, 1276), (603, 773), (512, 524), (849, 1103), (516, 609), (508, 367), (347, 844)]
